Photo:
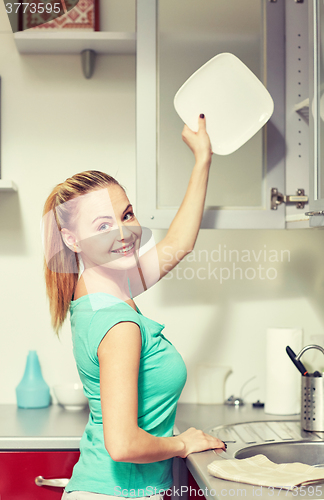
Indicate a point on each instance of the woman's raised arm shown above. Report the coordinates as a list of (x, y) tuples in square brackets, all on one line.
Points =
[(182, 234), (183, 231)]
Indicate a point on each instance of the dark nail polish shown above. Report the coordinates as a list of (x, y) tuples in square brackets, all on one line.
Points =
[(202, 115)]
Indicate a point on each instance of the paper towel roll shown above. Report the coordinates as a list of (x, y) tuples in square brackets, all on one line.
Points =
[(283, 380)]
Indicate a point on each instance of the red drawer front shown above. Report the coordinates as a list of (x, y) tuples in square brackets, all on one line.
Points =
[(18, 470)]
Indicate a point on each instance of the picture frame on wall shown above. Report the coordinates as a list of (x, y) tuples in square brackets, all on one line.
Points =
[(81, 15)]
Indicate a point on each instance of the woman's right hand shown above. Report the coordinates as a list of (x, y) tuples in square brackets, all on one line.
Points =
[(196, 440), (199, 141)]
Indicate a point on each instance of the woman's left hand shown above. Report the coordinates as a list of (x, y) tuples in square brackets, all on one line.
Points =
[(198, 142)]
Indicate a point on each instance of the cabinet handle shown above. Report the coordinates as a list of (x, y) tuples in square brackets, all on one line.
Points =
[(59, 483)]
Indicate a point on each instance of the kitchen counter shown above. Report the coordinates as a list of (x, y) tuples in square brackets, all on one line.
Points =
[(51, 428), (207, 416), (55, 428)]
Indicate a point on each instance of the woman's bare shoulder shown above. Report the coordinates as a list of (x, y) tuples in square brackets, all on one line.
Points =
[(81, 290)]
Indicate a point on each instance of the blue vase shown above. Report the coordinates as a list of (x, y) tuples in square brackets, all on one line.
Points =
[(32, 391)]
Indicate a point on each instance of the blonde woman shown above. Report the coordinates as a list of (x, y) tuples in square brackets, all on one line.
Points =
[(132, 375)]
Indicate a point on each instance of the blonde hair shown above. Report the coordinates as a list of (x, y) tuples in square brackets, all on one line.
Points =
[(61, 265)]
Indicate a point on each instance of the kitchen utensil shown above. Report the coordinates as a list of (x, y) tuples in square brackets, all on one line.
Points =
[(236, 104), (71, 396), (299, 365), (312, 395), (210, 382)]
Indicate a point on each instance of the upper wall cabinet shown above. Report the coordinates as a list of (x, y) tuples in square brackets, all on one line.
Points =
[(174, 39), (316, 112)]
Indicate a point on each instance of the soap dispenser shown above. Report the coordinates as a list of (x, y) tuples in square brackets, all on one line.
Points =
[(32, 391)]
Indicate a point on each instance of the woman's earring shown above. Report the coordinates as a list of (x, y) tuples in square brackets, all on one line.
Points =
[(74, 248)]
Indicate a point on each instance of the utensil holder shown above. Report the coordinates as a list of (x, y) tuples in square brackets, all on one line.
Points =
[(312, 398)]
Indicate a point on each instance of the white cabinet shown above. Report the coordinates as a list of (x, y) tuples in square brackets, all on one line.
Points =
[(175, 40), (171, 41), (316, 113)]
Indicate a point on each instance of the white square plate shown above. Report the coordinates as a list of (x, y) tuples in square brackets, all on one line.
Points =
[(236, 104)]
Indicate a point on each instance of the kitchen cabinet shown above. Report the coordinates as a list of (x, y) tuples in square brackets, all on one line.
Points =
[(315, 105), (20, 468), (37, 442), (45, 442), (170, 41), (174, 40)]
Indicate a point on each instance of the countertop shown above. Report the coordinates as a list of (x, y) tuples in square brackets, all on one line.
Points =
[(41, 429), (207, 416), (56, 428)]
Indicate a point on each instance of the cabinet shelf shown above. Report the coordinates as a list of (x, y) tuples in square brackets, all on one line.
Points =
[(302, 108), (7, 185), (70, 42)]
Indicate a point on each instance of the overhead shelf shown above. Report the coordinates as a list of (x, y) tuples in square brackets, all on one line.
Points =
[(7, 186), (73, 42)]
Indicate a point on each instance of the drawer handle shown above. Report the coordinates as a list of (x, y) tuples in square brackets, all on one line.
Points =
[(59, 483)]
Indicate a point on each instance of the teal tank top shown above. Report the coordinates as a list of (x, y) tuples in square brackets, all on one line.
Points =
[(162, 376)]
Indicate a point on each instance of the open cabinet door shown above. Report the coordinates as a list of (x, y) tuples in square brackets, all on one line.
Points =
[(172, 43), (316, 114)]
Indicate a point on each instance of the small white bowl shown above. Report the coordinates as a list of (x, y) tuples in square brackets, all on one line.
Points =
[(71, 396)]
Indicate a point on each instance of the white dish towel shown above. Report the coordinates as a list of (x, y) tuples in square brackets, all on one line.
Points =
[(260, 471)]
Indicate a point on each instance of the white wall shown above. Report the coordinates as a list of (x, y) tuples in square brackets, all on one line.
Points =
[(56, 123)]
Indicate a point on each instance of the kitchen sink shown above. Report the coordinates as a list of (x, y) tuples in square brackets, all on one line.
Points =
[(310, 453), (281, 441)]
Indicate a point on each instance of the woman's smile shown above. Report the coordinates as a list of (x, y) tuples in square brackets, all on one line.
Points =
[(125, 250)]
